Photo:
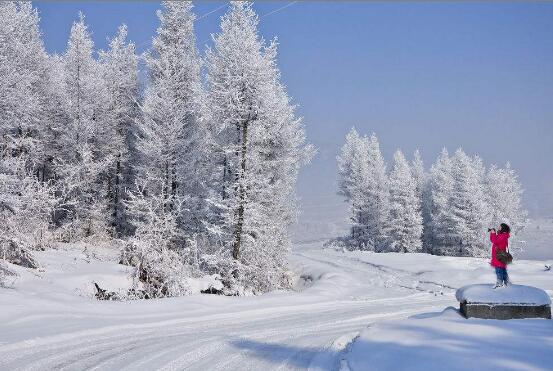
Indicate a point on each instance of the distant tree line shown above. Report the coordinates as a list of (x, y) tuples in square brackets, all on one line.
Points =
[(444, 211), (195, 172)]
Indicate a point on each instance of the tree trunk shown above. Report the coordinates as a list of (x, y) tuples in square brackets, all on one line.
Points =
[(116, 195), (225, 177), (166, 183), (241, 194)]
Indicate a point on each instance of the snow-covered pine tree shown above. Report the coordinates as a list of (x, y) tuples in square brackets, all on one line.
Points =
[(422, 180), (441, 238), (171, 131), (120, 78), (377, 208), (83, 159), (419, 175), (26, 202), (364, 183), (23, 77), (260, 146), (405, 213), (352, 179), (504, 196), (468, 206)]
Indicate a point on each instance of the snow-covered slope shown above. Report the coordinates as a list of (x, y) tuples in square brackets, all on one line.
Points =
[(48, 320)]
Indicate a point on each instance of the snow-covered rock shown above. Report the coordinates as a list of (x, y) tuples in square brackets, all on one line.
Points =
[(512, 294), (515, 301)]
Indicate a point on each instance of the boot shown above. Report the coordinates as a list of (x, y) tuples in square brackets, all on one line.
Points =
[(498, 284)]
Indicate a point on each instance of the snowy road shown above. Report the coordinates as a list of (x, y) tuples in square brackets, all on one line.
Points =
[(308, 329)]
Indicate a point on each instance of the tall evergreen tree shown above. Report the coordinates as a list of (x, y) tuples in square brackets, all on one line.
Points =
[(364, 183), (419, 175), (468, 205), (504, 196), (26, 202), (378, 203), (260, 147), (173, 135), (120, 79), (353, 171), (405, 213), (23, 76), (422, 180), (441, 225), (84, 159)]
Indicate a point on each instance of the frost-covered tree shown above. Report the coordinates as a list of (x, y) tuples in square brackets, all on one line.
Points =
[(378, 204), (419, 175), (465, 200), (468, 206), (84, 141), (504, 196), (259, 149), (350, 152), (23, 78), (353, 173), (422, 180), (441, 227), (120, 79), (172, 133), (364, 183), (26, 202), (405, 213)]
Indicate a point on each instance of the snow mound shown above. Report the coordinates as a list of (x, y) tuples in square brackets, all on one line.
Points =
[(448, 341), (513, 294)]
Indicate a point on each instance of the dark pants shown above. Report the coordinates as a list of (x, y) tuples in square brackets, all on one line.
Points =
[(502, 276)]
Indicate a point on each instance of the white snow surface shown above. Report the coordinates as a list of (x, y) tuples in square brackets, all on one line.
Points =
[(512, 294), (448, 341), (49, 320)]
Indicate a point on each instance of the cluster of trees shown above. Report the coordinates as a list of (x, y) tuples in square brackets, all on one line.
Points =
[(196, 172), (445, 211)]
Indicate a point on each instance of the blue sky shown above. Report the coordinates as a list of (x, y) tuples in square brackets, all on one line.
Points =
[(419, 75)]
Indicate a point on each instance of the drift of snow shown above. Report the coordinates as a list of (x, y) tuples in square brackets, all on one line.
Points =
[(448, 341), (512, 294)]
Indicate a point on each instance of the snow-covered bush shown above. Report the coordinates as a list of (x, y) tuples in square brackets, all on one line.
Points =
[(153, 250), (7, 277), (159, 271), (26, 206)]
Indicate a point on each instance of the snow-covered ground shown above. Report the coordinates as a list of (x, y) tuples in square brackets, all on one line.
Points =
[(48, 320), (448, 341)]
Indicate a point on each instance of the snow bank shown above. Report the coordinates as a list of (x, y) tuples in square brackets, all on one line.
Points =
[(513, 294), (448, 341)]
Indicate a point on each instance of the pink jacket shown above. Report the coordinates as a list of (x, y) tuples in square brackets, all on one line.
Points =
[(499, 241)]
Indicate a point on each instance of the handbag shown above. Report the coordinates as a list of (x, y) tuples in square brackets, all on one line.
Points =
[(504, 257)]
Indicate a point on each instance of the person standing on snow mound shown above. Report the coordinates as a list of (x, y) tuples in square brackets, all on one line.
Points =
[(500, 241)]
